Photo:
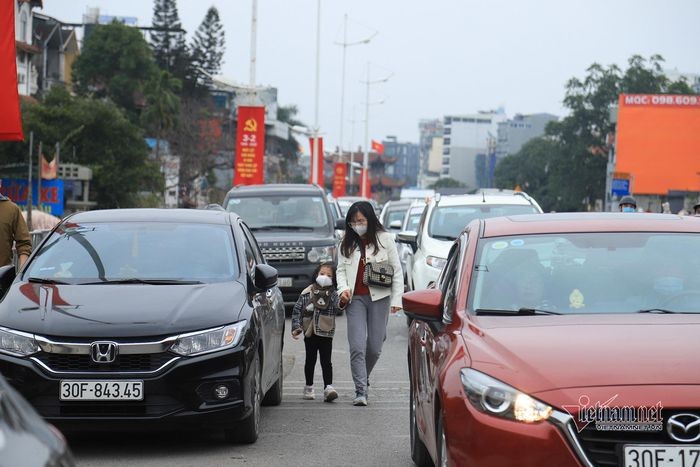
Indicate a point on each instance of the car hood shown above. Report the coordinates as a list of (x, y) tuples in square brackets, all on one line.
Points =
[(540, 353), (268, 238), (120, 310)]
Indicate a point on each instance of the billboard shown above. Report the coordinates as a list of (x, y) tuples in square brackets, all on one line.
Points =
[(250, 146), (658, 142), (51, 194)]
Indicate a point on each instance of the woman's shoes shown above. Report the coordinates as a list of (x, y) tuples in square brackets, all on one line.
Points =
[(309, 393), (330, 394), (360, 401)]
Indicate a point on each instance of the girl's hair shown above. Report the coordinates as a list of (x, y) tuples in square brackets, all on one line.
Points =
[(351, 240), (330, 265)]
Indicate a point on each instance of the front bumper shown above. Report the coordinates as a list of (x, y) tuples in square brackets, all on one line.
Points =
[(180, 394)]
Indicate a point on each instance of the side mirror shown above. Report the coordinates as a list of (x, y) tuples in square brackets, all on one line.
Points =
[(340, 224), (395, 225), (408, 237), (424, 305), (7, 275), (265, 277)]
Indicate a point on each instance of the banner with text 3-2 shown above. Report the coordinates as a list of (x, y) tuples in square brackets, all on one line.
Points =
[(250, 146), (339, 172), (10, 118)]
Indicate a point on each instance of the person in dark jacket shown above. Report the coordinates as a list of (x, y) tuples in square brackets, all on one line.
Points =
[(314, 316), (13, 230)]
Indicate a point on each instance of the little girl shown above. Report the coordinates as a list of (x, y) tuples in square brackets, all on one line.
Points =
[(314, 315)]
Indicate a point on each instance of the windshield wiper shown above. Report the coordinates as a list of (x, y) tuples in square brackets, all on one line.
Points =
[(134, 280), (281, 227), (520, 312), (662, 311), (43, 280)]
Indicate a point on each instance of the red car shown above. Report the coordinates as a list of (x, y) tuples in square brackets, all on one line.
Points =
[(560, 340)]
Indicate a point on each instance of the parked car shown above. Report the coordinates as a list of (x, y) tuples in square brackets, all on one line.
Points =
[(445, 217), (393, 213), (409, 224), (25, 438), (346, 201), (146, 316), (294, 226), (560, 339)]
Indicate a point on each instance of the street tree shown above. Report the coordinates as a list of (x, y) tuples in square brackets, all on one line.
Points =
[(115, 62), (162, 105), (168, 37), (447, 182), (208, 45)]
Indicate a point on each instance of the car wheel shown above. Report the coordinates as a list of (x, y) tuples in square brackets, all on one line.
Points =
[(274, 394), (419, 453), (441, 442), (246, 431)]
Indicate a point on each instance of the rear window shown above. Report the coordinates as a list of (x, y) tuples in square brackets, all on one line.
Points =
[(282, 212), (446, 222)]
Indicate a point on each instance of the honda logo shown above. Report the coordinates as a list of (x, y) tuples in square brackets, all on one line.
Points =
[(684, 427), (104, 352)]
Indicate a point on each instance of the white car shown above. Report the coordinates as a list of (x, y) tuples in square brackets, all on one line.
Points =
[(410, 224), (444, 219)]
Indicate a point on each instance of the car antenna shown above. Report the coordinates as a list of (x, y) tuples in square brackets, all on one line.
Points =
[(483, 196)]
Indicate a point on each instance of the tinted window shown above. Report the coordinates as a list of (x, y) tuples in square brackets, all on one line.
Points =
[(446, 222), (91, 252), (396, 215), (281, 211)]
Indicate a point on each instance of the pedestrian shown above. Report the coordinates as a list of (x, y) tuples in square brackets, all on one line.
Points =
[(370, 280), (696, 209), (13, 230), (314, 316), (628, 204)]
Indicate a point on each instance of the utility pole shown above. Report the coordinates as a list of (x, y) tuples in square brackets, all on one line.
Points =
[(314, 153), (365, 159), (29, 179), (253, 42)]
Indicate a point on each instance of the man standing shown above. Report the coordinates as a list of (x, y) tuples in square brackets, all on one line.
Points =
[(13, 229), (628, 204)]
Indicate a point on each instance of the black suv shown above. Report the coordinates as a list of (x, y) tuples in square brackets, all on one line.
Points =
[(294, 227)]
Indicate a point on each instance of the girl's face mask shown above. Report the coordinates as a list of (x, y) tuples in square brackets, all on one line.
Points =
[(324, 281)]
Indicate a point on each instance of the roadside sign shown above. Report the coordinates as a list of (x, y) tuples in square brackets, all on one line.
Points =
[(620, 187)]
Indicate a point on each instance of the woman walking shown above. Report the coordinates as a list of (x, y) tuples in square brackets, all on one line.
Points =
[(370, 280)]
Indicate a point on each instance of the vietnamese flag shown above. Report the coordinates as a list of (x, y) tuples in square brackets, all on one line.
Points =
[(377, 147), (10, 118)]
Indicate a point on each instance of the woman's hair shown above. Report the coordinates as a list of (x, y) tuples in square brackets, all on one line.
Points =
[(351, 240), (330, 265)]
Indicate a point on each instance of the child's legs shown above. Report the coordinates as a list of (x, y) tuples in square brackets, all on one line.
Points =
[(311, 344), (325, 349)]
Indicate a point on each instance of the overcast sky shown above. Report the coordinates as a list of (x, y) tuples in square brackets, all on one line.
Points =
[(446, 56)]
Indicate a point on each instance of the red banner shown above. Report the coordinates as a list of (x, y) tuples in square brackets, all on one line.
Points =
[(48, 169), (250, 146), (10, 118), (339, 173), (319, 163), (365, 188)]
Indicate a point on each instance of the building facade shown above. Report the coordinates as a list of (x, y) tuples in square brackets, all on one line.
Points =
[(429, 130), (408, 161), (515, 132), (27, 74)]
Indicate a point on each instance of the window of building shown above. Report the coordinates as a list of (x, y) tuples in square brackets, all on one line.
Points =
[(445, 161), (447, 141), (448, 131), (23, 26), (445, 150)]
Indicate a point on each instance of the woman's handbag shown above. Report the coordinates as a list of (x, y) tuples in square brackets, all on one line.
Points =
[(378, 274)]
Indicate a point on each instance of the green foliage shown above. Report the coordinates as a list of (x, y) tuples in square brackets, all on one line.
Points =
[(115, 62), (103, 139), (168, 43), (447, 182), (162, 105), (209, 44)]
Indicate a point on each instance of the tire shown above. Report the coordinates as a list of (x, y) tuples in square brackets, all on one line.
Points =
[(274, 394), (246, 431), (441, 443), (419, 453)]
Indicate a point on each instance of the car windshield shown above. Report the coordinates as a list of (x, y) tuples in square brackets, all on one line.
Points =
[(281, 212), (163, 251), (395, 215), (588, 273), (446, 222), (413, 220)]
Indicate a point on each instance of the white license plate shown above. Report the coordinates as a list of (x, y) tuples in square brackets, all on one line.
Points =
[(82, 390), (662, 455), (284, 281)]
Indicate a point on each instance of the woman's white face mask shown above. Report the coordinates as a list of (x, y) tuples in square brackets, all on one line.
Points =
[(360, 229)]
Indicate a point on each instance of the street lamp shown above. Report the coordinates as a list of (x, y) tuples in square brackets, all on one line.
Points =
[(368, 83)]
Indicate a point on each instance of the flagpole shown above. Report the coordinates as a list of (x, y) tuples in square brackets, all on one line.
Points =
[(38, 178), (365, 159), (314, 153), (29, 179)]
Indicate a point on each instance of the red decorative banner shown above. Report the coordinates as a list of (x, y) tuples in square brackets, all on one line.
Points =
[(48, 169), (250, 146), (10, 117), (318, 180), (365, 188), (339, 172)]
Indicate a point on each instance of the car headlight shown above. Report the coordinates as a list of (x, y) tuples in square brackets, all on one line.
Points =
[(17, 343), (211, 340), (434, 261), (494, 397), (321, 254)]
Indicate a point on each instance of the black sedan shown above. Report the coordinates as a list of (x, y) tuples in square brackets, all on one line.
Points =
[(148, 316)]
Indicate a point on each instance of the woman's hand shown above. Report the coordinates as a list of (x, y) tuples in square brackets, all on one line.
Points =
[(395, 309), (345, 297), (296, 333)]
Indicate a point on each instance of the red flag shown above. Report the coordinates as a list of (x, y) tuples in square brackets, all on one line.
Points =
[(48, 169), (10, 118), (250, 146), (319, 163), (377, 147), (365, 188), (339, 173)]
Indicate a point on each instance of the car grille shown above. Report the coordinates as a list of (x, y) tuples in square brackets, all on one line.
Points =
[(67, 363), (606, 447), (285, 254)]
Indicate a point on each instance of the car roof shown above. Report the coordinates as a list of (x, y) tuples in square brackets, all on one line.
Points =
[(195, 216), (585, 222), (398, 203), (276, 189), (506, 198)]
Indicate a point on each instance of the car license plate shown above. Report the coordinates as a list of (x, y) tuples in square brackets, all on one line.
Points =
[(82, 390), (662, 455), (284, 281)]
